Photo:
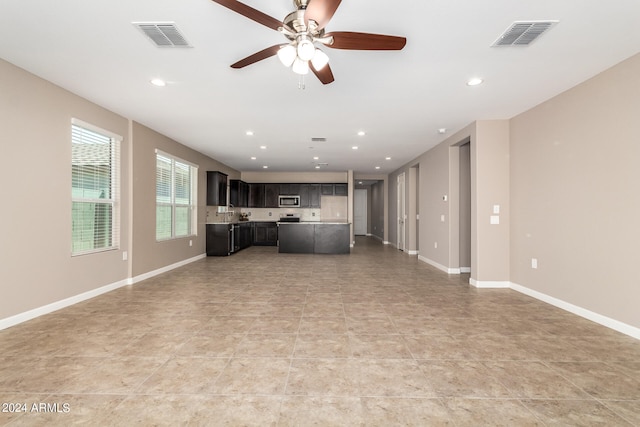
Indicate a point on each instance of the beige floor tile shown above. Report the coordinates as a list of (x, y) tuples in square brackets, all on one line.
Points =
[(323, 325), (393, 377), (534, 380), (490, 412), (600, 380), (320, 411), (417, 412), (184, 375), (206, 411), (627, 409), (263, 376), (324, 377), (574, 413), (372, 346), (266, 345), (322, 346), (461, 378), (211, 345)]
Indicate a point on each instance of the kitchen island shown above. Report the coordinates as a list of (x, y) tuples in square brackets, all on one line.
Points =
[(314, 237)]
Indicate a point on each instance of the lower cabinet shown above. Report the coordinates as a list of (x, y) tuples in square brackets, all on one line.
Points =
[(246, 235), (265, 233), (220, 239), (314, 238)]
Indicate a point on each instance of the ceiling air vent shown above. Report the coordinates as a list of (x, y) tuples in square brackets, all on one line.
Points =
[(163, 34), (319, 139), (523, 33)]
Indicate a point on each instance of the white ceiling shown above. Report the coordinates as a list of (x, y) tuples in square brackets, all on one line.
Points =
[(400, 99)]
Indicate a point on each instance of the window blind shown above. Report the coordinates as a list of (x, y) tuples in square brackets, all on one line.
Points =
[(95, 160), (175, 197)]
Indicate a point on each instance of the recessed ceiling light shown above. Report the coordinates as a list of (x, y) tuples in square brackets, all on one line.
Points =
[(249, 133), (355, 147), (253, 158), (158, 82), (359, 182), (442, 130), (474, 81), (316, 158), (387, 158), (361, 133), (263, 147), (265, 167), (377, 167), (317, 167)]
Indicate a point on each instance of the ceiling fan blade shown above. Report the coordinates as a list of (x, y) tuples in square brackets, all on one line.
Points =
[(324, 75), (250, 13), (321, 11), (365, 41), (258, 56)]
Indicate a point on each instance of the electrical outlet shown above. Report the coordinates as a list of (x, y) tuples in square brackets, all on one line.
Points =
[(435, 245), (190, 242), (125, 256), (534, 263)]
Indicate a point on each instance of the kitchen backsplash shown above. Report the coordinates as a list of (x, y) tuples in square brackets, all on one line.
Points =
[(334, 209)]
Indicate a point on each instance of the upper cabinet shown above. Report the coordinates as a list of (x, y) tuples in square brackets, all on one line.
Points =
[(238, 193), (216, 188), (256, 195)]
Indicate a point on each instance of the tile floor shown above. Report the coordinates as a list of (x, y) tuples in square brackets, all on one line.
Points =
[(374, 338)]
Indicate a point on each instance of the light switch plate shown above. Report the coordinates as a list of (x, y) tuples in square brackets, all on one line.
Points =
[(494, 220), (496, 209)]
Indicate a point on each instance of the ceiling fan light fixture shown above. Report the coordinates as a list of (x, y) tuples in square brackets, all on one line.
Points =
[(319, 60), (300, 67), (287, 54), (306, 49)]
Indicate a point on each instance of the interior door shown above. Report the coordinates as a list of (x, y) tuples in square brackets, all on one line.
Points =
[(360, 212), (402, 216)]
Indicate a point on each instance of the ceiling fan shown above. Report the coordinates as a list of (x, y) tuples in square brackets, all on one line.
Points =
[(303, 28)]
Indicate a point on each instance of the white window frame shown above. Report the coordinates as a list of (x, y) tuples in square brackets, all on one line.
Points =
[(114, 200), (193, 205)]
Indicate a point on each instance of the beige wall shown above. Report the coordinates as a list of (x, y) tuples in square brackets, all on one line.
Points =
[(38, 272), (565, 177), (295, 177), (575, 195), (35, 249), (148, 254)]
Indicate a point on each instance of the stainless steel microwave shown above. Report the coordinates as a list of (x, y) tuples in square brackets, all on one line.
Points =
[(289, 201)]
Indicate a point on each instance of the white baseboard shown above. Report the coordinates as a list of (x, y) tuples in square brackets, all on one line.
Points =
[(489, 284), (582, 312), (438, 266), (412, 252), (49, 308), (153, 273), (465, 269)]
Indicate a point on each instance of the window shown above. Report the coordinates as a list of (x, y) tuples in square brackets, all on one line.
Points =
[(95, 159), (175, 197)]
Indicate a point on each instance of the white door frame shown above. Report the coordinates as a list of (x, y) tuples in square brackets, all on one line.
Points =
[(402, 216)]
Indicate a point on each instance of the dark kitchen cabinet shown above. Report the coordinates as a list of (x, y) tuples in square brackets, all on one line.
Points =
[(246, 235), (289, 189), (271, 193), (340, 189), (219, 239), (296, 238), (326, 189), (256, 195), (309, 195), (265, 233), (216, 188), (238, 193)]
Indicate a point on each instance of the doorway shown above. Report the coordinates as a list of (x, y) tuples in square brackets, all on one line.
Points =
[(360, 221), (401, 213), (465, 208)]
